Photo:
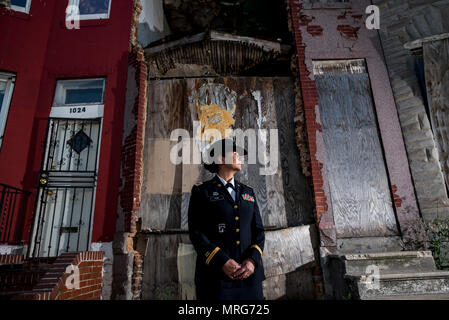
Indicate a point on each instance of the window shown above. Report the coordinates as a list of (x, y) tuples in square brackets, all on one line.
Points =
[(92, 9), (6, 89), (79, 92), (21, 5)]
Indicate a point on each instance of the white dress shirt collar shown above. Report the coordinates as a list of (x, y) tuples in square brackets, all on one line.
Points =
[(224, 181)]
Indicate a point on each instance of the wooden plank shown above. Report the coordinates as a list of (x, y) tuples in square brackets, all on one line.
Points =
[(436, 63), (284, 198), (297, 195), (161, 278), (357, 175), (294, 285), (286, 250), (186, 271), (162, 180)]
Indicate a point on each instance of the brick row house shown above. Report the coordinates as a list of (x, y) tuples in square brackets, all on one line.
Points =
[(63, 88), (88, 116)]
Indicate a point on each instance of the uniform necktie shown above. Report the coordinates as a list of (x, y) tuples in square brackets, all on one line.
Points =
[(230, 185), (232, 192)]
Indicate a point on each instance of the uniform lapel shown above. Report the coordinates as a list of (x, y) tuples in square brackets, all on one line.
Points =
[(238, 188), (223, 190)]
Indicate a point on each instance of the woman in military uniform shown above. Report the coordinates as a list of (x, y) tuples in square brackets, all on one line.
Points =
[(226, 230)]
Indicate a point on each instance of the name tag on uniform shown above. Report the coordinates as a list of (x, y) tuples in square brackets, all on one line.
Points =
[(247, 197), (221, 228)]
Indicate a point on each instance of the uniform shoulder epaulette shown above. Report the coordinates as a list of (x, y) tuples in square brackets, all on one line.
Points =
[(248, 186), (198, 184)]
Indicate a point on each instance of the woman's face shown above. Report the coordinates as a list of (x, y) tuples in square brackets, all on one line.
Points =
[(232, 161)]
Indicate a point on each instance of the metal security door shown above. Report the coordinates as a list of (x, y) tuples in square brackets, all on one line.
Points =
[(64, 209)]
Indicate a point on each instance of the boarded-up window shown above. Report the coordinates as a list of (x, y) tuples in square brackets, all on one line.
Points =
[(358, 182)]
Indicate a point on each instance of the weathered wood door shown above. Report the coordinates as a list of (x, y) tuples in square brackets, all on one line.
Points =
[(359, 187), (258, 103)]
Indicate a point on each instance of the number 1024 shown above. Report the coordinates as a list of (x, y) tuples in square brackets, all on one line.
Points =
[(78, 110)]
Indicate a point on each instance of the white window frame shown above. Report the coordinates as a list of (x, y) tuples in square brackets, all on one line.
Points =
[(63, 85), (10, 81), (91, 16), (22, 9)]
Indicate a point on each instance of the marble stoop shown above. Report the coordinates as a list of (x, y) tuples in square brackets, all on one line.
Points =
[(390, 275)]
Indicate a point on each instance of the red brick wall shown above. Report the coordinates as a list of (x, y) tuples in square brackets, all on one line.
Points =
[(310, 98), (52, 285), (132, 149)]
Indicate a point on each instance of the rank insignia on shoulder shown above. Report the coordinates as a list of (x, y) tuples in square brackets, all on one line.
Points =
[(247, 197), (198, 184)]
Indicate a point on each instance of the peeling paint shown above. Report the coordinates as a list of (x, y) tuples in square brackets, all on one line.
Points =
[(258, 97), (214, 117), (349, 31), (216, 105), (397, 199), (260, 120)]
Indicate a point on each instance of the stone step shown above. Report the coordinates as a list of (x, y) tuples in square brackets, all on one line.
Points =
[(442, 296), (364, 286), (387, 262)]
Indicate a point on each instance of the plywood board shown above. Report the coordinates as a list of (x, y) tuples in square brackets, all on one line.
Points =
[(358, 182)]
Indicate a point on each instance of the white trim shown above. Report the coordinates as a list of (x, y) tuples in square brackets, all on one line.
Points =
[(91, 16), (78, 112), (10, 80), (22, 9)]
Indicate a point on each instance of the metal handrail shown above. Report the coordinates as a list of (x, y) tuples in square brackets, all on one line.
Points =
[(12, 213)]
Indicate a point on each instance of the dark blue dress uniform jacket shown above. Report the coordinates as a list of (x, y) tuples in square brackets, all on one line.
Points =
[(221, 229)]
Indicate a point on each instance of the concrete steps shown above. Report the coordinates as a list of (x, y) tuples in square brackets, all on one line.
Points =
[(399, 284), (412, 297), (388, 262), (389, 275)]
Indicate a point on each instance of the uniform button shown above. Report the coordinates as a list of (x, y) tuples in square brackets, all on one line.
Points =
[(236, 207), (237, 230), (237, 242), (237, 218)]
